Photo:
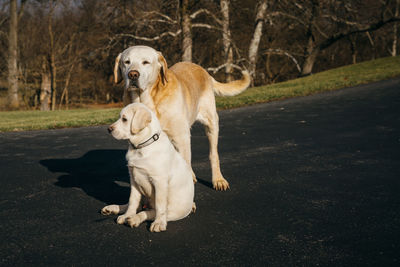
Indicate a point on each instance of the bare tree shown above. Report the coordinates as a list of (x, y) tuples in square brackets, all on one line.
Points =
[(65, 92), (395, 29), (255, 40), (52, 57), (353, 47), (45, 92), (187, 42), (13, 57), (311, 50), (323, 27), (226, 39), (181, 24)]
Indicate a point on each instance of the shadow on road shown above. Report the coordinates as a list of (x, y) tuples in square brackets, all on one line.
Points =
[(205, 183), (98, 173)]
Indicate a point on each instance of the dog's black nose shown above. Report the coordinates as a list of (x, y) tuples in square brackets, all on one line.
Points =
[(110, 129), (133, 75)]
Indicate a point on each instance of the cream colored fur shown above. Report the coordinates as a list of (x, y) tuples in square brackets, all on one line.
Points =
[(179, 96), (157, 172)]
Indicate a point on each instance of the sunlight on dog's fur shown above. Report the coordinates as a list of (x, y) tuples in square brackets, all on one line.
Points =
[(179, 96), (157, 172)]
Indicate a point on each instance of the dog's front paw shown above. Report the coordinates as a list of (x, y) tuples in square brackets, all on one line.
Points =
[(122, 218), (110, 210), (220, 184), (134, 221), (158, 226)]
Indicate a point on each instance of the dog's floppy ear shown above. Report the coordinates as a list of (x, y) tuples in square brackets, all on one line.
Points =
[(163, 69), (117, 71), (141, 118)]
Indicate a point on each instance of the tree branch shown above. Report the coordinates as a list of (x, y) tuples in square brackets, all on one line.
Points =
[(200, 11), (158, 37), (285, 53), (3, 20), (167, 18), (21, 9), (371, 27), (339, 20), (204, 25), (220, 67), (278, 13)]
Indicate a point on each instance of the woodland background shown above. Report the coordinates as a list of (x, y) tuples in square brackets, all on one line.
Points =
[(60, 54)]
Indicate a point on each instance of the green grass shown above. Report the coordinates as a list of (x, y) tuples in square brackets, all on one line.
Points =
[(362, 73), (334, 79), (35, 120)]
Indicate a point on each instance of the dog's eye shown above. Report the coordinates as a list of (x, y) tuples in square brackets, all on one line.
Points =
[(124, 119), (145, 62), (127, 62)]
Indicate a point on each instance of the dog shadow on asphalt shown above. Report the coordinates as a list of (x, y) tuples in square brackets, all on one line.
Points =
[(101, 174)]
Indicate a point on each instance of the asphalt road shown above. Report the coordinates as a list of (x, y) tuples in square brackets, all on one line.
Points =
[(314, 181)]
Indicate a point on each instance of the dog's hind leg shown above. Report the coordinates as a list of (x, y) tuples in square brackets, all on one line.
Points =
[(209, 118)]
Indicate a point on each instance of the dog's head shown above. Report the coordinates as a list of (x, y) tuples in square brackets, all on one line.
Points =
[(136, 122), (140, 67)]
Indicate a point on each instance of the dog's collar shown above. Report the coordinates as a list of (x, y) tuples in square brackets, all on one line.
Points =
[(148, 142)]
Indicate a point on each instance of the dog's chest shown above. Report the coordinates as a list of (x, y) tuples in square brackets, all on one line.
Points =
[(143, 181)]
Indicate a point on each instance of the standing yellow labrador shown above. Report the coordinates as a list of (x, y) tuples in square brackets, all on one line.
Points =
[(179, 96)]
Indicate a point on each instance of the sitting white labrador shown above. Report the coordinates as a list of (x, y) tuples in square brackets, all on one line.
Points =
[(157, 171)]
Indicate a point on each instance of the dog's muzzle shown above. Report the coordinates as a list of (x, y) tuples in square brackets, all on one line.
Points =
[(133, 75)]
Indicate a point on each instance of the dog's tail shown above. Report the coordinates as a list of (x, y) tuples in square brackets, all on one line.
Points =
[(234, 87)]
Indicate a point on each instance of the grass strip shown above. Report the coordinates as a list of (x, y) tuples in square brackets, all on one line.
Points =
[(334, 79), (36, 120)]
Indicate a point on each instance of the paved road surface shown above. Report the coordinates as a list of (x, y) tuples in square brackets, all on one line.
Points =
[(314, 181)]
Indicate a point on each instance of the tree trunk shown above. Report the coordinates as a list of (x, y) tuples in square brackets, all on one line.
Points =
[(187, 41), (395, 26), (45, 92), (226, 40), (372, 43), (312, 50), (353, 47), (13, 101), (268, 70), (255, 41), (394, 44), (67, 99), (311, 56), (309, 63), (53, 74), (52, 59), (66, 87)]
